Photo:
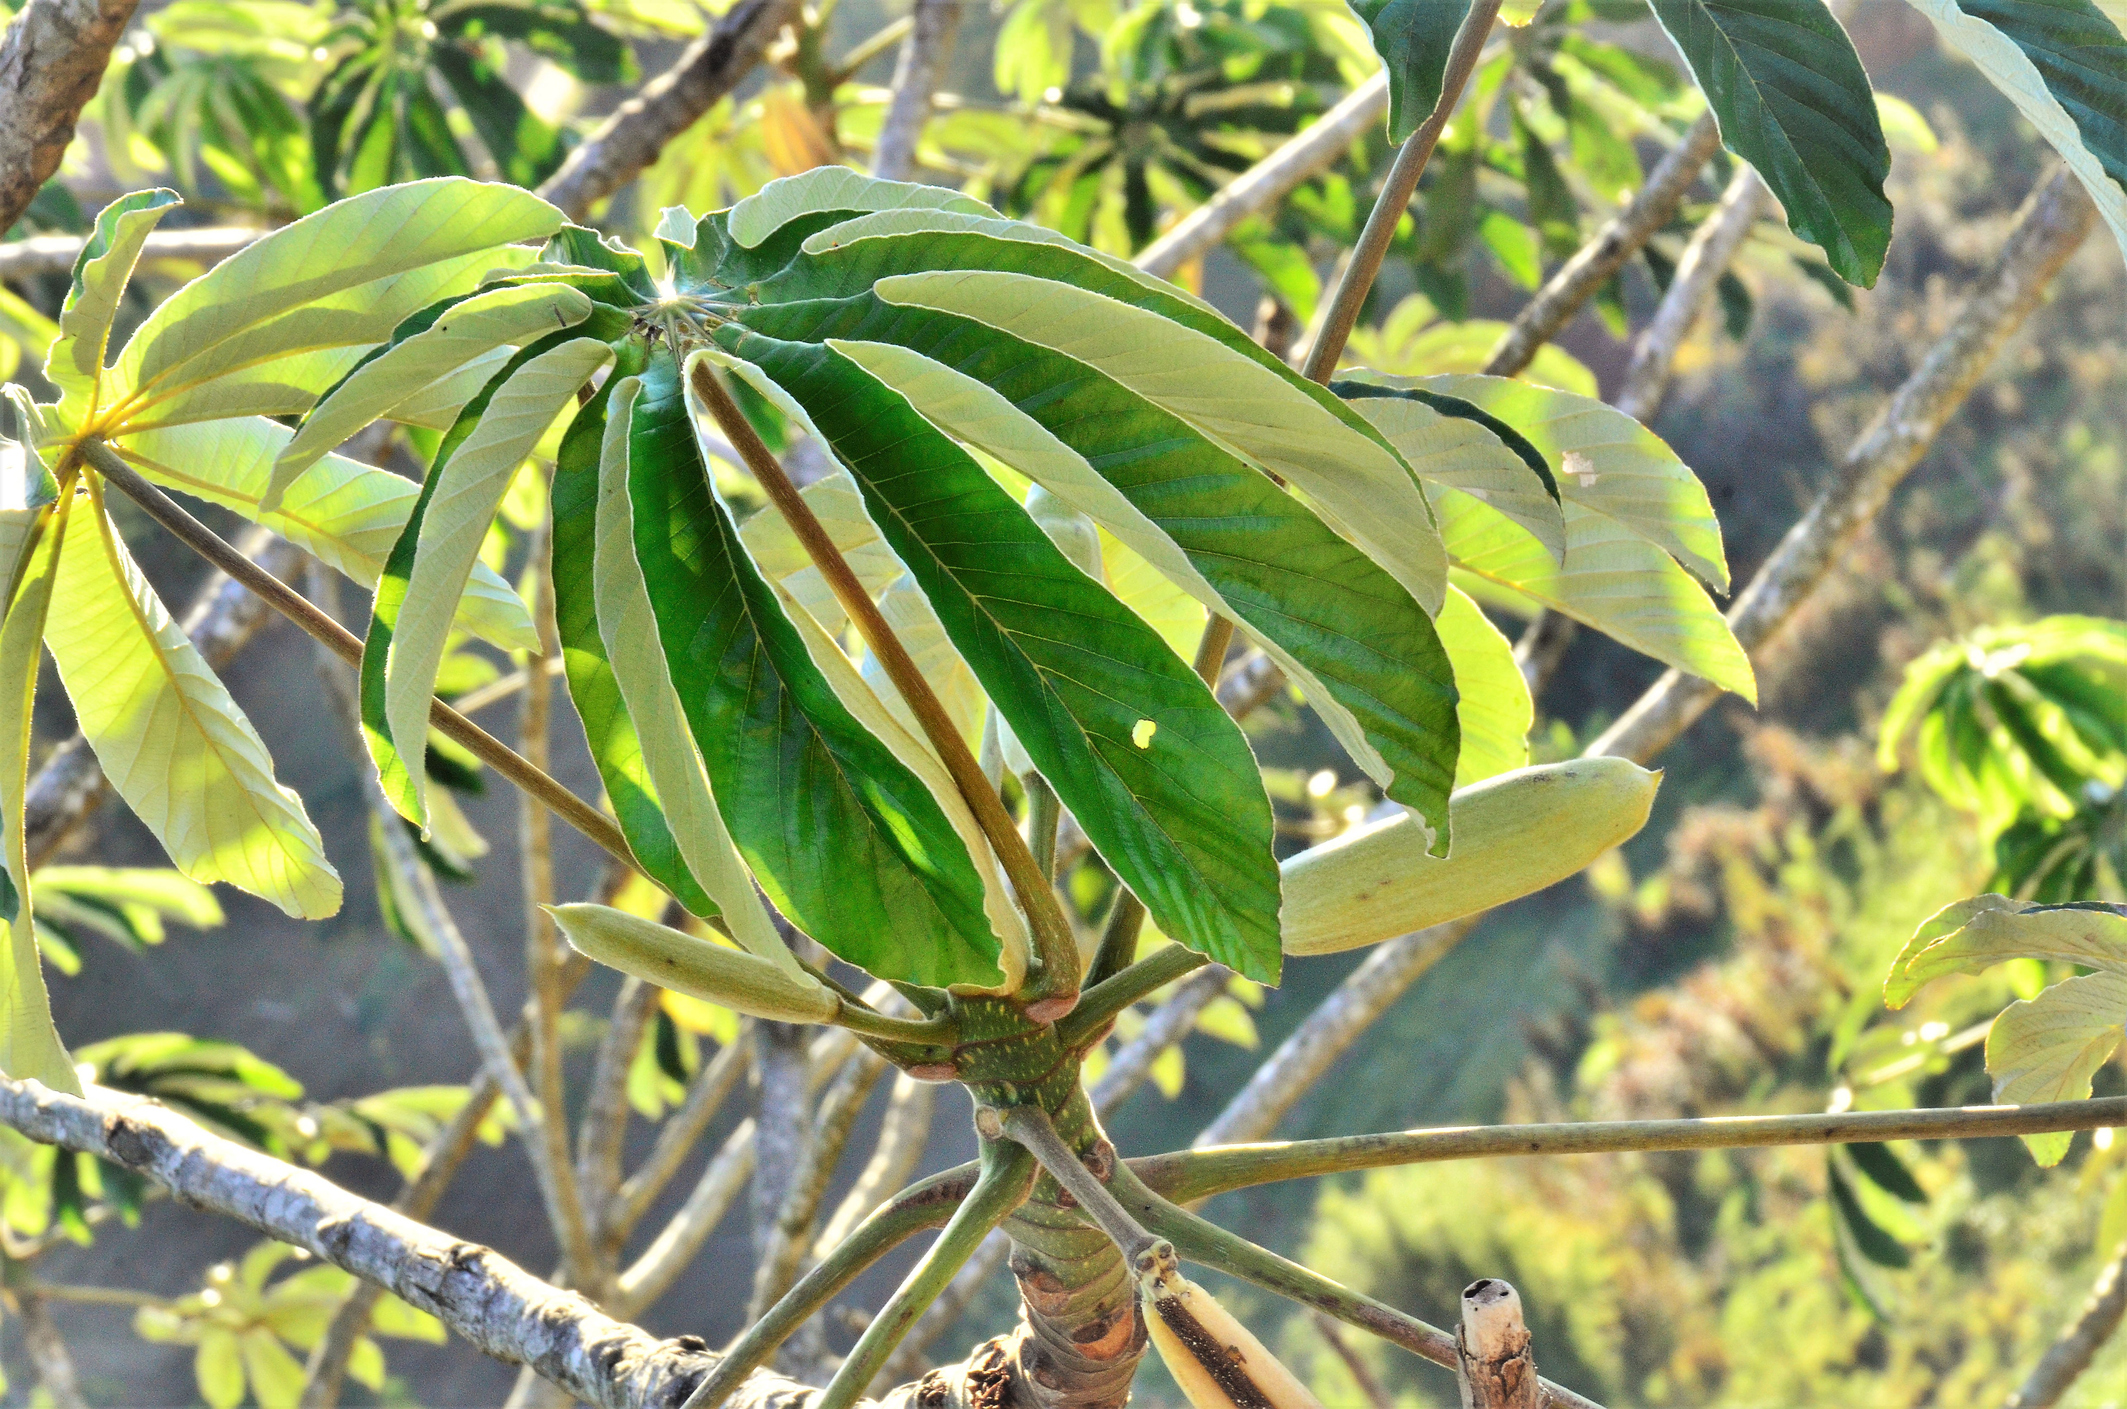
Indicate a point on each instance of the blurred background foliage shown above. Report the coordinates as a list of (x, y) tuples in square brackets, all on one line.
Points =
[(1728, 959)]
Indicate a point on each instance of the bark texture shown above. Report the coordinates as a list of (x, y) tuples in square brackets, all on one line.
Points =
[(50, 63), (2066, 1359)]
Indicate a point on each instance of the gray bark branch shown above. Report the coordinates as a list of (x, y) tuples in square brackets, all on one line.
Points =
[(923, 59), (2067, 1358), (51, 60)]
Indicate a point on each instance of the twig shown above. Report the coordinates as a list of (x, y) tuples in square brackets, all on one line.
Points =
[(1053, 991), (1495, 1369), (291, 604), (1199, 1173), (489, 1301), (2067, 1358), (927, 1205), (604, 1124), (48, 1350), (628, 141), (1098, 1008), (645, 1280), (1168, 1024), (1270, 180), (1396, 192), (2048, 230), (1706, 259), (1369, 1388), (51, 62), (706, 1094), (55, 254), (1566, 292), (904, 1134), (924, 56), (791, 1237)]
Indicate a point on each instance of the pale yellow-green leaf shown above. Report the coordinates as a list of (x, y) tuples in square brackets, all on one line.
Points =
[(1356, 485), (365, 1364), (1973, 935), (839, 506), (505, 317), (628, 626), (75, 362), (24, 332), (1612, 580), (169, 737), (457, 518), (2047, 1048), (1462, 454), (1903, 126), (2008, 68), (1609, 464), (981, 418), (1074, 534), (29, 1044), (1225, 1019), (395, 1318), (1167, 1072), (779, 202), (363, 240), (909, 613), (147, 894), (1412, 342), (1495, 711), (436, 406), (345, 513), (219, 1368), (276, 1376), (675, 959), (1166, 607)]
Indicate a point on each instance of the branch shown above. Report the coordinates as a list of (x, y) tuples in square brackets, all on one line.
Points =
[(2052, 224), (1568, 291), (1199, 1173), (904, 1134), (1396, 192), (790, 1238), (1495, 1369), (1706, 259), (335, 637), (46, 1347), (706, 1094), (603, 1128), (668, 105), (485, 1298), (50, 64), (2067, 1358), (924, 56), (645, 1280), (1168, 1024), (1270, 180), (55, 254)]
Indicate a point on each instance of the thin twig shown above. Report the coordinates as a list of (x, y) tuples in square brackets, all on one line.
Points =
[(1706, 258), (904, 1134), (1362, 1375), (1054, 990), (1167, 1024), (791, 1238), (1396, 192), (2068, 1357), (1029, 1126), (55, 254), (604, 1125), (291, 604), (706, 1093)]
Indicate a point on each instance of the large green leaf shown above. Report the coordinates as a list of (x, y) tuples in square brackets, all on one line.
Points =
[(2064, 64), (1792, 100), (30, 1048), (627, 627), (1366, 655), (75, 362), (1413, 38), (504, 317), (848, 842), (328, 280), (440, 545), (1177, 809), (835, 188), (169, 737), (1973, 935), (610, 730), (2047, 1048), (345, 513)]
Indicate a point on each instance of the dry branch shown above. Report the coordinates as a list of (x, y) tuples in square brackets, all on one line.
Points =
[(924, 56), (55, 254), (50, 63), (2067, 1358)]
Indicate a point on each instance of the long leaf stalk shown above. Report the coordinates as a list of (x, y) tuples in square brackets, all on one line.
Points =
[(1054, 990), (1190, 1175), (1101, 1003), (1396, 193), (336, 638), (923, 1206), (1030, 1126)]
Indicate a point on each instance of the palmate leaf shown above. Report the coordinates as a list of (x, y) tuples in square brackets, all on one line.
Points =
[(169, 737), (106, 262), (846, 839), (440, 545), (346, 514), (1792, 100), (268, 329), (2047, 1048), (2064, 64), (1178, 810)]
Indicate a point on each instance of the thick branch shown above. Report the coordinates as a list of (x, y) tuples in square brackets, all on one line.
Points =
[(1705, 260), (485, 1298), (50, 63), (924, 56), (2053, 223), (1568, 291), (668, 105), (55, 254), (1201, 1172)]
